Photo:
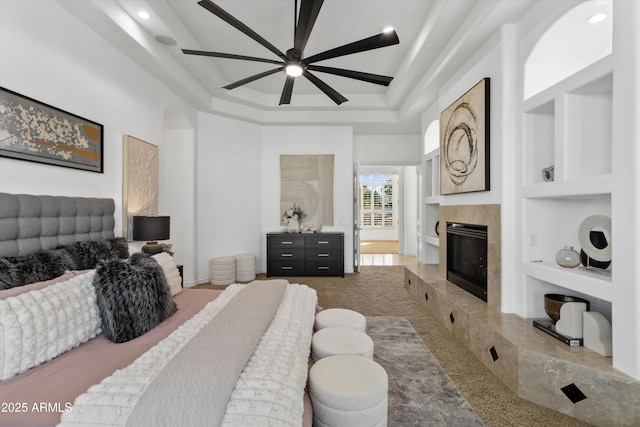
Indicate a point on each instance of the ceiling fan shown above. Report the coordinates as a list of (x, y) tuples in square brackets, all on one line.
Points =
[(293, 62)]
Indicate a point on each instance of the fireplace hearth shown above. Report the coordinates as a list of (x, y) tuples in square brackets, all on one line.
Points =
[(467, 257)]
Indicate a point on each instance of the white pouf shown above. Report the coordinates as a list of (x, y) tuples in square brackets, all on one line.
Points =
[(349, 391), (223, 270), (337, 340), (340, 317), (245, 267)]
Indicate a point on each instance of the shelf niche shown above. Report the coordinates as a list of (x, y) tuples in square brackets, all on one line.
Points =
[(569, 126)]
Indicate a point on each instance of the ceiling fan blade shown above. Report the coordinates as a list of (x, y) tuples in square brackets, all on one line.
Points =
[(358, 75), (229, 56), (225, 16), (309, 10), (373, 42), (285, 98), (252, 78), (328, 90)]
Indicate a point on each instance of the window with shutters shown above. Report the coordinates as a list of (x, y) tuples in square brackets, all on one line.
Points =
[(376, 200)]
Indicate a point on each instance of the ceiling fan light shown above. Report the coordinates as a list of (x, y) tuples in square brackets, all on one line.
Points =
[(293, 70), (388, 29)]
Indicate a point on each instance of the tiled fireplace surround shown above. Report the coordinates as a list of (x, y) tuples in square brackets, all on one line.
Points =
[(533, 365)]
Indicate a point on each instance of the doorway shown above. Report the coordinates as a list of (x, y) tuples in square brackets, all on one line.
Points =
[(380, 220)]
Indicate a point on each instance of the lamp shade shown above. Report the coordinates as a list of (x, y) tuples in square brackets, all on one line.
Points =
[(151, 227)]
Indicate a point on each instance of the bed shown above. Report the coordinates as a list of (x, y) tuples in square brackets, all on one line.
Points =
[(99, 336)]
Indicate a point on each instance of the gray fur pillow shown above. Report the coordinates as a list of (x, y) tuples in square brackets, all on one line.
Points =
[(87, 255), (42, 265), (132, 296), (9, 275), (119, 247)]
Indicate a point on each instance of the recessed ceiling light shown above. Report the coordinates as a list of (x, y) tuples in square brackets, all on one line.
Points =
[(293, 70), (388, 28), (144, 14), (598, 17)]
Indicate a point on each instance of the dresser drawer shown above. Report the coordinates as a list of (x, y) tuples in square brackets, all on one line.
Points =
[(323, 254), (324, 241), (326, 268), (282, 241), (283, 268), (289, 254)]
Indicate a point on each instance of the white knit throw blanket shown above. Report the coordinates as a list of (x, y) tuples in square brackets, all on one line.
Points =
[(280, 360), (39, 325), (270, 389)]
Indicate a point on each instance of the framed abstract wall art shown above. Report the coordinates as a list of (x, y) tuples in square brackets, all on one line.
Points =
[(464, 142), (307, 181), (34, 131), (140, 181)]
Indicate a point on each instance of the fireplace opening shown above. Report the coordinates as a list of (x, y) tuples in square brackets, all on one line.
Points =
[(467, 257)]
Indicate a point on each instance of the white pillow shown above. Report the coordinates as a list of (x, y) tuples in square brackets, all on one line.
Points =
[(170, 272), (41, 324)]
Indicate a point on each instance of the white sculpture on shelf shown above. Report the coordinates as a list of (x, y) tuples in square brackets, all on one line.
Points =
[(597, 333), (570, 322)]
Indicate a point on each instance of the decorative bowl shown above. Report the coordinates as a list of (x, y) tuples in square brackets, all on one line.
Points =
[(553, 302)]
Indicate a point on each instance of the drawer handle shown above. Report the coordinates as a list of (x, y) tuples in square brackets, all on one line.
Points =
[(323, 255), (285, 255), (287, 243), (286, 268), (323, 268), (323, 242)]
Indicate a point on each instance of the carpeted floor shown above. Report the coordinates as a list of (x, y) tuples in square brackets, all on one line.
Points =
[(379, 291)]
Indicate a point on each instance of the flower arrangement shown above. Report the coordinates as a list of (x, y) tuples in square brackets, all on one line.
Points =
[(293, 213)]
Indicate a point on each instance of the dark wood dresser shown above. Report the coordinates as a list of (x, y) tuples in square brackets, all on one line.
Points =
[(313, 254)]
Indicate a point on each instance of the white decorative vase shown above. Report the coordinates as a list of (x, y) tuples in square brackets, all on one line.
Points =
[(568, 257)]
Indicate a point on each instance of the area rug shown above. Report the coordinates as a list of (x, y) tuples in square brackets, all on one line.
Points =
[(420, 391)]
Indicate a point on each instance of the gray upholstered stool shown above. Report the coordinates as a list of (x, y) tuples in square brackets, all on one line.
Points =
[(337, 340), (349, 391), (340, 317)]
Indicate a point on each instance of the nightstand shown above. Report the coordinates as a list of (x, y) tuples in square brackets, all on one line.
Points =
[(181, 275)]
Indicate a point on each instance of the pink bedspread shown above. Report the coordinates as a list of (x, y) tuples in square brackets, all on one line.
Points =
[(38, 396)]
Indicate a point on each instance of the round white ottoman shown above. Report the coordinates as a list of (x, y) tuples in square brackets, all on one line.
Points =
[(337, 340), (245, 267), (340, 317), (349, 391), (223, 270)]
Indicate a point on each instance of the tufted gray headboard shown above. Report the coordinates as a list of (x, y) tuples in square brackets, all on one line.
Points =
[(29, 223)]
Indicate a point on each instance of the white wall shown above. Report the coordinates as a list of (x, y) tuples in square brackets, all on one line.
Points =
[(77, 71), (626, 188), (486, 62), (338, 140), (410, 210), (179, 200), (387, 149), (228, 194), (211, 178)]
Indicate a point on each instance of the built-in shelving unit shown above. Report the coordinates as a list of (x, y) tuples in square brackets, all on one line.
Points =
[(569, 126), (431, 206)]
